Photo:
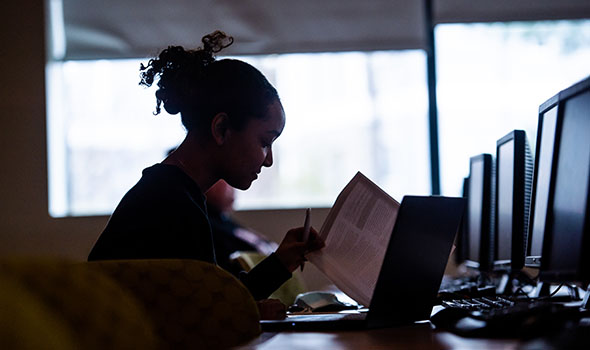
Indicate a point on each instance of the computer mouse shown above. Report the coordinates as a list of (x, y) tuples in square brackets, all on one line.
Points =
[(447, 318), (319, 301)]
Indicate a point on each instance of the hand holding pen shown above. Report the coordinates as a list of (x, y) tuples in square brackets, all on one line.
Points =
[(306, 228), (298, 242)]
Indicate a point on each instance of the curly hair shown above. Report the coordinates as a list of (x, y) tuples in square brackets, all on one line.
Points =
[(196, 85)]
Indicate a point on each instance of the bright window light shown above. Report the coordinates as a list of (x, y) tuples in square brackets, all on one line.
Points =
[(493, 77), (346, 112)]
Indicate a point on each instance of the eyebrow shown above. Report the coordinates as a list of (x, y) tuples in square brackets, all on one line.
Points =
[(274, 132)]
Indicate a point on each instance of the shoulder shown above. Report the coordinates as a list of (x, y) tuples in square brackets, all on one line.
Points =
[(167, 180), (162, 188), (161, 172)]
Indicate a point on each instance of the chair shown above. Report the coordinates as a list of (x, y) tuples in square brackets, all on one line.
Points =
[(50, 303), (123, 304), (193, 304)]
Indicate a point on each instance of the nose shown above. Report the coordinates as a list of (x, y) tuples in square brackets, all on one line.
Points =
[(268, 160)]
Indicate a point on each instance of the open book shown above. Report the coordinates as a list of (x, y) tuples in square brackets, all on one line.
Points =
[(356, 232)]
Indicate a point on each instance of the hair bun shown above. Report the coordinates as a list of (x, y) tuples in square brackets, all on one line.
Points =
[(179, 71), (170, 105), (216, 41)]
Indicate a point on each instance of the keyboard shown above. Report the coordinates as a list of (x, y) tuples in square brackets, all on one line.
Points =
[(464, 288), (500, 317), (482, 305)]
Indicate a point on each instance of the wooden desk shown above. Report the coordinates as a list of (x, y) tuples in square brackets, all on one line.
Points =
[(418, 336)]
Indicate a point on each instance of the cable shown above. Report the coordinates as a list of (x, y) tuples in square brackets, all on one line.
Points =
[(552, 293), (555, 291), (520, 291)]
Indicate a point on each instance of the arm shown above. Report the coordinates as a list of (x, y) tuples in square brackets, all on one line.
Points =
[(272, 272)]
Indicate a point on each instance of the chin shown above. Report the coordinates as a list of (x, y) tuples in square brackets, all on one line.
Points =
[(241, 182), (242, 185)]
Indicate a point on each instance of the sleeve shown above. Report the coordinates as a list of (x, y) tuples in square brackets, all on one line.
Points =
[(156, 222), (266, 277)]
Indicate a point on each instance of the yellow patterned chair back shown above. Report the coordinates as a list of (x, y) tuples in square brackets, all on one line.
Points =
[(287, 292), (193, 304), (26, 323), (55, 304)]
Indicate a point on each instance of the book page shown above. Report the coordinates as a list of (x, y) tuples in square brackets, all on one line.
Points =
[(356, 233)]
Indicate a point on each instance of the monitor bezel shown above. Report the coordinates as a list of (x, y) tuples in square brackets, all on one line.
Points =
[(534, 261), (462, 239), (518, 234), (486, 241)]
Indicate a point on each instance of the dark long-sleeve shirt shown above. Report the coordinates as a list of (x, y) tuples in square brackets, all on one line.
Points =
[(164, 216)]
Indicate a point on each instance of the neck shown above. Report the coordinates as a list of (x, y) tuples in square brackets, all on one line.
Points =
[(194, 159)]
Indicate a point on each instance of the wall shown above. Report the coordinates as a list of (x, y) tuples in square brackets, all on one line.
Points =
[(25, 226)]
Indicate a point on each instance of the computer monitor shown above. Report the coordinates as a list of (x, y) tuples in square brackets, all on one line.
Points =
[(514, 176), (480, 220), (566, 244), (542, 176), (461, 241)]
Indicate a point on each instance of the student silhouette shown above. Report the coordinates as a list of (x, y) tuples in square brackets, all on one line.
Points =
[(232, 115)]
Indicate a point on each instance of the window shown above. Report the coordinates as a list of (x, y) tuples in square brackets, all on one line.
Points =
[(492, 78), (346, 112), (101, 134)]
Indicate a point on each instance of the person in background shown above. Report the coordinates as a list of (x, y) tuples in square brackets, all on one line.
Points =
[(232, 115), (228, 235)]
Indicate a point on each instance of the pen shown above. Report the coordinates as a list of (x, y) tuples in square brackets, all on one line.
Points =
[(306, 229)]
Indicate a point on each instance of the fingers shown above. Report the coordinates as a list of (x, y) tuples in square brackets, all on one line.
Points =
[(314, 236), (291, 252), (315, 242), (297, 234)]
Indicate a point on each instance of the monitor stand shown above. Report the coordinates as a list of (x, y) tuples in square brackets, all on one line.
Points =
[(512, 281), (542, 290), (505, 285)]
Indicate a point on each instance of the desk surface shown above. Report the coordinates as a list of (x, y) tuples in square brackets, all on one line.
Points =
[(418, 336)]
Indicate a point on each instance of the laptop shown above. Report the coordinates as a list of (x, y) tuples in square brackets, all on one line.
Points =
[(410, 276)]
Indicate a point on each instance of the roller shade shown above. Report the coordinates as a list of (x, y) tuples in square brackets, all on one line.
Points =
[(86, 29), (139, 28), (456, 11)]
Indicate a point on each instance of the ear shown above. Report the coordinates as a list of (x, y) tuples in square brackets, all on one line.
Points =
[(220, 128)]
